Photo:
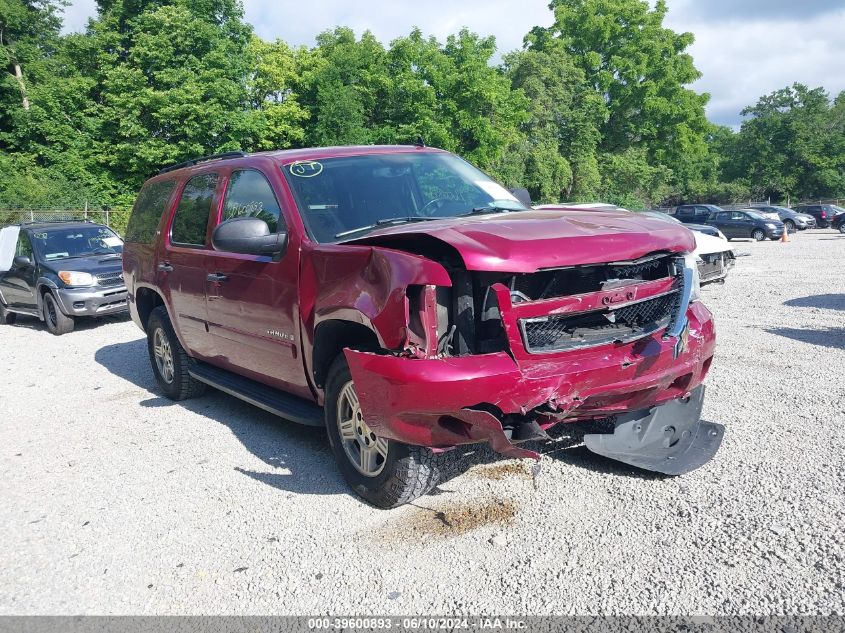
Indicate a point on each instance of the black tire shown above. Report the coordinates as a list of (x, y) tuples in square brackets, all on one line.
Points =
[(842, 227), (6, 317), (789, 225), (57, 322), (407, 473), (758, 235), (180, 385)]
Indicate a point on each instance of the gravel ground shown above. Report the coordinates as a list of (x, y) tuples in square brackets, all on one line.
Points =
[(114, 500)]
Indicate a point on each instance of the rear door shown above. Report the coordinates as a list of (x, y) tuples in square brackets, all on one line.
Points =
[(252, 300), (182, 262)]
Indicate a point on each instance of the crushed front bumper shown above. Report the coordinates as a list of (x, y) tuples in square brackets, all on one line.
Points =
[(446, 402), (92, 301)]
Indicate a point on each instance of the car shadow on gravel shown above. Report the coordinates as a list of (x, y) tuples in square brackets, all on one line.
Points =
[(82, 324), (831, 337), (280, 444), (305, 452), (566, 446), (825, 302)]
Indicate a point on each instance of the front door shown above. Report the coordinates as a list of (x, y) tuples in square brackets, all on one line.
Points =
[(18, 284), (182, 263), (252, 300)]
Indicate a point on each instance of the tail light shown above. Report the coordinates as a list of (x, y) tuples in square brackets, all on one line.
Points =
[(824, 215)]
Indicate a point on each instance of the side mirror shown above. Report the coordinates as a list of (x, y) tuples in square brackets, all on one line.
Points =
[(249, 236), (22, 261)]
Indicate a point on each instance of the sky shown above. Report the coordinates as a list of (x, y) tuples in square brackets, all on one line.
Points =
[(744, 48)]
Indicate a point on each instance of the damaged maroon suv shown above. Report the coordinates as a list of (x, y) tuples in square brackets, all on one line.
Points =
[(410, 304)]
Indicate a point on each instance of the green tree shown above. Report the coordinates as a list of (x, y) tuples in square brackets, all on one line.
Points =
[(792, 145), (342, 86), (171, 83), (641, 71), (273, 95), (563, 131)]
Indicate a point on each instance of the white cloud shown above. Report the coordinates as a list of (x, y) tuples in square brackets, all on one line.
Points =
[(508, 21), (745, 48), (742, 60)]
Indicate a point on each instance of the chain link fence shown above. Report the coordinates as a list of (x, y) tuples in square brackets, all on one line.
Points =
[(114, 218)]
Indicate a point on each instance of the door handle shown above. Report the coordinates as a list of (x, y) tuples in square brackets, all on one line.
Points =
[(165, 267), (217, 278)]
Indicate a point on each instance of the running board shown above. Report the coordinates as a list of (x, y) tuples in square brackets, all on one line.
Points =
[(277, 402)]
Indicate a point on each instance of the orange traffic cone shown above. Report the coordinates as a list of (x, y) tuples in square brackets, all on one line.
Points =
[(785, 236)]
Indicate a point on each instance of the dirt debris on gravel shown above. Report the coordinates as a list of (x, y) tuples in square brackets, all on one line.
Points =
[(213, 506)]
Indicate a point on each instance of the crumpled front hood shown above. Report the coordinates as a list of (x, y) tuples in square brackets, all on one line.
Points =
[(707, 244), (523, 242)]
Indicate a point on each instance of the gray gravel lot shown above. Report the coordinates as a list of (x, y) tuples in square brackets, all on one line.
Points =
[(114, 500)]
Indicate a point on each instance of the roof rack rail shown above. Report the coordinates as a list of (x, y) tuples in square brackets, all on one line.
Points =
[(68, 221), (202, 159)]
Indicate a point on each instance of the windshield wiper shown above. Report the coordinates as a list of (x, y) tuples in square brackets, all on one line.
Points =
[(491, 209), (385, 222)]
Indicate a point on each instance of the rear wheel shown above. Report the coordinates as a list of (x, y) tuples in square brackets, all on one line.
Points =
[(758, 235), (384, 472), (57, 322), (842, 227), (6, 317), (169, 360)]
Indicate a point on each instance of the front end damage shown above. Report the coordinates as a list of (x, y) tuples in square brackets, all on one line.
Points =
[(501, 358)]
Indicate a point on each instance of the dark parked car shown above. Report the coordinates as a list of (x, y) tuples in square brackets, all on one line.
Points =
[(701, 228), (823, 213), (58, 271), (747, 223), (791, 219), (839, 223), (696, 213), (409, 304)]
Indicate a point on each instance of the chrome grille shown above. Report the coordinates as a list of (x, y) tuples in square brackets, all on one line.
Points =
[(110, 279)]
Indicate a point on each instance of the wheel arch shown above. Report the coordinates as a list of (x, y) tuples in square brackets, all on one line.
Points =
[(147, 300), (331, 337)]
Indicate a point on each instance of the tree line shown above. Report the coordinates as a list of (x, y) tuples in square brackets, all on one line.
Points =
[(596, 107)]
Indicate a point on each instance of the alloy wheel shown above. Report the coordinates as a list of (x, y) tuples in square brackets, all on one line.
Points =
[(163, 355), (366, 451)]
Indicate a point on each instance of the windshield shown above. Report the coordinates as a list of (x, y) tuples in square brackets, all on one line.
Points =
[(82, 241), (837, 209), (344, 198)]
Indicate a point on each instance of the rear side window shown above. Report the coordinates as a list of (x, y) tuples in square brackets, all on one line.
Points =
[(147, 211), (250, 194), (191, 218)]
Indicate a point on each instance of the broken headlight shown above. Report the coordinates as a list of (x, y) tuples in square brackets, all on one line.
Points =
[(691, 261)]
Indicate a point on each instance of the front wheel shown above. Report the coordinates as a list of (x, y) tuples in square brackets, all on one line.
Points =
[(57, 322), (758, 235), (384, 472), (789, 225)]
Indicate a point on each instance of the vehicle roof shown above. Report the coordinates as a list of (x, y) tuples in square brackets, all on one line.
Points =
[(286, 156)]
